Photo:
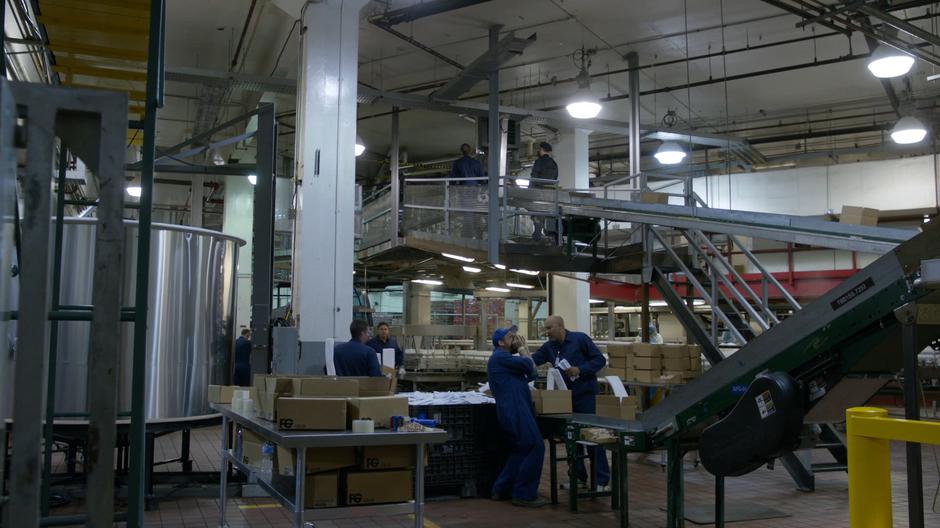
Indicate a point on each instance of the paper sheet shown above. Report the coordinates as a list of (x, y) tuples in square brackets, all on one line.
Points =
[(564, 365), (328, 348), (446, 398), (617, 386), (555, 380), (388, 357)]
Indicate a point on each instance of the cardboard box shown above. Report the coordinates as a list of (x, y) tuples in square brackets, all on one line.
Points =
[(611, 371), (377, 386), (858, 216), (647, 350), (264, 405), (329, 386), (378, 487), (676, 363), (618, 362), (321, 490), (695, 364), (287, 385), (318, 459), (675, 351), (552, 401), (653, 197), (251, 448), (645, 376), (379, 408), (221, 393), (647, 363), (740, 268), (695, 351), (307, 413), (617, 407), (388, 457), (620, 351)]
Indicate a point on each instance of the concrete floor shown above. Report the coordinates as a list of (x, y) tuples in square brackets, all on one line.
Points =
[(827, 506)]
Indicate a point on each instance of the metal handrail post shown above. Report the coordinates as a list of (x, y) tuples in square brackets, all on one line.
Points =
[(447, 207), (773, 280)]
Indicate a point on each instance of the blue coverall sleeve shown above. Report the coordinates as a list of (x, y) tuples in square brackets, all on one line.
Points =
[(595, 360), (374, 369), (541, 355), (454, 172), (517, 364)]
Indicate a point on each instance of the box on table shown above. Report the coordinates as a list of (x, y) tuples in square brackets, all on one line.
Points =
[(616, 362), (321, 490), (251, 448), (271, 383), (221, 393), (552, 401), (611, 406), (318, 459), (620, 351), (388, 457), (674, 351), (653, 197), (859, 216), (308, 413), (646, 363), (373, 386), (379, 409), (682, 363), (647, 350), (378, 487), (329, 386)]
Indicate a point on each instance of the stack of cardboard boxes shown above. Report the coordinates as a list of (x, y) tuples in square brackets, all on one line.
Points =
[(351, 476), (649, 363)]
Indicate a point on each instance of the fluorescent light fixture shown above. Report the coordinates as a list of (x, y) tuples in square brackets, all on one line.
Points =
[(252, 179), (658, 303), (670, 153), (134, 190), (471, 269), (525, 272), (522, 182), (458, 257), (499, 266), (360, 146), (596, 301), (429, 282), (887, 62), (218, 160), (517, 285), (908, 130), (497, 289)]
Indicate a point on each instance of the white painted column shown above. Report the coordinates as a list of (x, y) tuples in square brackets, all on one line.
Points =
[(570, 298), (237, 221), (326, 135)]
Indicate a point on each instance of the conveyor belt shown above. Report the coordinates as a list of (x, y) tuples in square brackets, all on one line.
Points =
[(784, 228)]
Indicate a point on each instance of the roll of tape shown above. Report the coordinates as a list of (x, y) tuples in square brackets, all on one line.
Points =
[(363, 426)]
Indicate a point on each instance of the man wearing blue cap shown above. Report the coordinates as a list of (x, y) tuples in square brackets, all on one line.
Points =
[(579, 360), (509, 376)]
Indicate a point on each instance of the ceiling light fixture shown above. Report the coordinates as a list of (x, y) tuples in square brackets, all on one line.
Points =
[(429, 282), (669, 153), (525, 272), (497, 289), (908, 130), (458, 257), (134, 190), (471, 269), (252, 179), (360, 146), (887, 62), (596, 301), (499, 266), (583, 104), (521, 286), (522, 183)]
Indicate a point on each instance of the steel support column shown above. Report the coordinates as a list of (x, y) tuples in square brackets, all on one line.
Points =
[(262, 240), (907, 315), (492, 157), (395, 183), (137, 471)]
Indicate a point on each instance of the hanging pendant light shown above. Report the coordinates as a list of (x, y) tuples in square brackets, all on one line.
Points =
[(583, 104), (908, 130), (669, 153), (887, 62), (360, 146)]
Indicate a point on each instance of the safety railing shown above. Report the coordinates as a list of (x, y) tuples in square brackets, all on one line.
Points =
[(869, 433)]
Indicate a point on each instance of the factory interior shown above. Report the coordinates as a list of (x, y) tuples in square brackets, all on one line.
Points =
[(470, 263)]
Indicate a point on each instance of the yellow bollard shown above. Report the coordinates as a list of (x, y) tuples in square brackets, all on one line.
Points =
[(869, 474)]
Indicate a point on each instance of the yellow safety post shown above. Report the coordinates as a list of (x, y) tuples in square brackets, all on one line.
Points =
[(869, 473), (869, 430)]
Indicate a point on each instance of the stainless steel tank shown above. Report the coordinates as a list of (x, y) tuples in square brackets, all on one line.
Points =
[(191, 315)]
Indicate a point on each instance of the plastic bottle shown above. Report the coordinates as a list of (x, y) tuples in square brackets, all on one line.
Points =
[(267, 461), (239, 439)]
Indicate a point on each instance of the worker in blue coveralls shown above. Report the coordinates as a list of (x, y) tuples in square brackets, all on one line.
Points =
[(509, 375), (584, 360)]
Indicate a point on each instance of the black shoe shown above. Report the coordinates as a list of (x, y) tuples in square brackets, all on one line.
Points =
[(498, 497), (534, 503)]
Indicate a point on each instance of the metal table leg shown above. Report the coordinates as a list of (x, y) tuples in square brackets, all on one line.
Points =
[(623, 482), (300, 478), (675, 514), (553, 468), (572, 433), (719, 502), (184, 452), (419, 487), (223, 472)]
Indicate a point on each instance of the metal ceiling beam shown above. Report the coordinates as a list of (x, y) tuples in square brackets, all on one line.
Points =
[(422, 10), (419, 45), (485, 65), (901, 25)]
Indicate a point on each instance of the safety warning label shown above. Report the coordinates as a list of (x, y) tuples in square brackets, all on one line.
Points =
[(765, 404)]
